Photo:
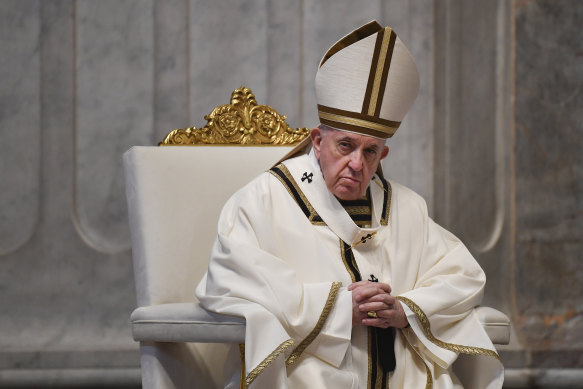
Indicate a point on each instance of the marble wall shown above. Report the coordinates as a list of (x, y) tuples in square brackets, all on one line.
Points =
[(548, 161), (508, 170), (495, 125)]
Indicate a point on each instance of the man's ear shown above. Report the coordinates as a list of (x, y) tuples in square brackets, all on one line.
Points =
[(385, 152), (316, 135)]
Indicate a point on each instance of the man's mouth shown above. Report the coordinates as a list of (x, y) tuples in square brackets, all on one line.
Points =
[(352, 180)]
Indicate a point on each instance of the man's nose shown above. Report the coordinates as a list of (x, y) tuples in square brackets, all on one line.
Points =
[(356, 161)]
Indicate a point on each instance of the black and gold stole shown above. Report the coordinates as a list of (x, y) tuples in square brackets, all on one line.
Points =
[(359, 210), (381, 341)]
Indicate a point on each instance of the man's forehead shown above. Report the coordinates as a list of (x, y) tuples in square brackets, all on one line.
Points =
[(358, 138)]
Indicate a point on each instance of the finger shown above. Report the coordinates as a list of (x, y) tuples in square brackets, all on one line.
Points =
[(374, 306), (381, 297), (384, 286), (388, 315), (357, 284), (373, 295), (393, 317), (366, 291), (380, 323)]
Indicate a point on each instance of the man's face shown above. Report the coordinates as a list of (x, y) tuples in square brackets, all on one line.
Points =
[(348, 161)]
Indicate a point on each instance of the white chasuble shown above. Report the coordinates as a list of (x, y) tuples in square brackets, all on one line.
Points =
[(285, 253)]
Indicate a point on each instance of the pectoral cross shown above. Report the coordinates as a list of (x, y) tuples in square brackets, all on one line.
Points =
[(365, 238)]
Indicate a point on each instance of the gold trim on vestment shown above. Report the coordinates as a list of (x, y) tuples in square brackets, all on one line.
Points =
[(357, 210), (360, 210), (385, 212), (312, 215), (270, 358), (242, 382), (429, 380), (346, 248), (297, 352), (426, 326)]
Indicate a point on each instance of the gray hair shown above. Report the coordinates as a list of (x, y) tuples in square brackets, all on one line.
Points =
[(326, 129)]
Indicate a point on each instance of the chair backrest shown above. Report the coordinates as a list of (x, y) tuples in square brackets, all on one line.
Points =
[(175, 194)]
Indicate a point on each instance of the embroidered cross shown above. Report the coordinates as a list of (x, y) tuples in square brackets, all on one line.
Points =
[(373, 278), (365, 238), (308, 177)]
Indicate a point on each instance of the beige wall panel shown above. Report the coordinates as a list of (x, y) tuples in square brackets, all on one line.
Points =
[(228, 48), (549, 180), (325, 22), (171, 67), (284, 59), (64, 304), (20, 125), (115, 86), (472, 136), (468, 150), (410, 159), (473, 139)]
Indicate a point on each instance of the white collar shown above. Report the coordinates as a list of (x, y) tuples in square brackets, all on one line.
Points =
[(327, 205)]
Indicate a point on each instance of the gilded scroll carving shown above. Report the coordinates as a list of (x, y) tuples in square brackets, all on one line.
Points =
[(242, 122)]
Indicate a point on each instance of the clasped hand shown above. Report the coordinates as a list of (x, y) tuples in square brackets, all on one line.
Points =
[(376, 297)]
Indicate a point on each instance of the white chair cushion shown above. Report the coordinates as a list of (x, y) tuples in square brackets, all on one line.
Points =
[(188, 322), (185, 322), (496, 324)]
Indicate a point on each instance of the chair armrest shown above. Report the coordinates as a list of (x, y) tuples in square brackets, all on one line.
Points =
[(496, 324), (189, 322), (185, 322)]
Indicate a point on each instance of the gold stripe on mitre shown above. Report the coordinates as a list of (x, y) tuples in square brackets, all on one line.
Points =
[(381, 71), (359, 123), (378, 67)]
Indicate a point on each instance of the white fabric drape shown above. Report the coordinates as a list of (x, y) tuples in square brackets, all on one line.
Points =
[(286, 275)]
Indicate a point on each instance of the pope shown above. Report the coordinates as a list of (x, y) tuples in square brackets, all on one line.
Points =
[(343, 278)]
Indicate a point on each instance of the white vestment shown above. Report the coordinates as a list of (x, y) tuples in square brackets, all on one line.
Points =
[(285, 252)]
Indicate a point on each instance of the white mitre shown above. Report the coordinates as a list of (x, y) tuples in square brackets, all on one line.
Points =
[(366, 83)]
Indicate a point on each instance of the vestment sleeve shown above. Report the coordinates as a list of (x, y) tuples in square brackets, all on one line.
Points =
[(449, 284), (283, 316)]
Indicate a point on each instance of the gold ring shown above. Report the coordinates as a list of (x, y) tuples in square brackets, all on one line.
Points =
[(372, 314)]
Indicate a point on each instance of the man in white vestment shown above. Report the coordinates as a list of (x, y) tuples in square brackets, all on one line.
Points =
[(342, 277)]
